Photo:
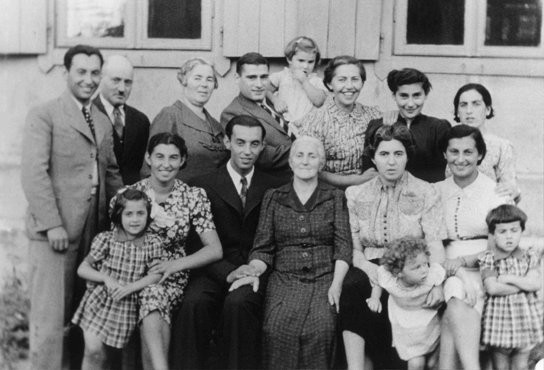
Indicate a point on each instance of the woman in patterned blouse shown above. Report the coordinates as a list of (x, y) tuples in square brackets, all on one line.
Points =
[(472, 104), (393, 205), (341, 122), (176, 207)]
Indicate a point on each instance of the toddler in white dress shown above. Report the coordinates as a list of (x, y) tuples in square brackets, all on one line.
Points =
[(408, 276)]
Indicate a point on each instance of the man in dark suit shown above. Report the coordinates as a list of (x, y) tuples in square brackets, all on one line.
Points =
[(69, 173), (235, 191), (252, 76), (130, 126)]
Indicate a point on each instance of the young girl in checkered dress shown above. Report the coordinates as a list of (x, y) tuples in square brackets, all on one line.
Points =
[(512, 320), (116, 270)]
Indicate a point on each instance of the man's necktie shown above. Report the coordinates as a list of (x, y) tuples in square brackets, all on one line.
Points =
[(89, 120), (282, 122), (118, 122), (243, 192)]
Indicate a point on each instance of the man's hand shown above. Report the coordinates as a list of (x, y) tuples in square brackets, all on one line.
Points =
[(58, 239)]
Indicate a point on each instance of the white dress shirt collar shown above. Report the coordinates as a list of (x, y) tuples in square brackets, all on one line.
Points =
[(236, 177)]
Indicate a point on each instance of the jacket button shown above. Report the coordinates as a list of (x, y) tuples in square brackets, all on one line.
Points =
[(305, 255), (301, 218), (302, 229), (90, 177)]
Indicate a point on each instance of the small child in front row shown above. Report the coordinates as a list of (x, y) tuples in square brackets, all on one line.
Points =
[(116, 269), (512, 319), (408, 277), (299, 88)]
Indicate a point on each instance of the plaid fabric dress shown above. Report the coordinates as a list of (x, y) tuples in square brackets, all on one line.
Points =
[(185, 207), (515, 320), (125, 261)]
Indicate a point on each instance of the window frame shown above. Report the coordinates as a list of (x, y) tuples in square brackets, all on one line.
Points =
[(135, 31), (474, 37)]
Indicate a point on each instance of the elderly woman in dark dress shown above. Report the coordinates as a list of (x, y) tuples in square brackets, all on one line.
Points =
[(188, 118), (303, 239), (393, 205)]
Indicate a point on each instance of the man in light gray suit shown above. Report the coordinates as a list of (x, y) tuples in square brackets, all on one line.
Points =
[(252, 75), (69, 172)]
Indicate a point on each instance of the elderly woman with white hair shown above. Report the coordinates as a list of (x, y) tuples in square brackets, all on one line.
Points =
[(188, 118), (303, 241)]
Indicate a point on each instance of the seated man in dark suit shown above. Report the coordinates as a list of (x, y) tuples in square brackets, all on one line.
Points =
[(235, 191), (252, 76), (130, 126)]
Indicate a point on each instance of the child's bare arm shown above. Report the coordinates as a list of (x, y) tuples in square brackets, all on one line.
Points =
[(528, 283), (135, 286), (316, 95), (494, 287), (88, 272), (374, 301)]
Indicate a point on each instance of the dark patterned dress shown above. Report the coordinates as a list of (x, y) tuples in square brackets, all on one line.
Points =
[(514, 320), (185, 206), (300, 244), (126, 261)]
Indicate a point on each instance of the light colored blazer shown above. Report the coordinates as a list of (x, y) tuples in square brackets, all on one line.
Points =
[(57, 166), (274, 159)]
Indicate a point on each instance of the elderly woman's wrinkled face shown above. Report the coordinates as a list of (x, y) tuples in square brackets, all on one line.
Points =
[(305, 161), (390, 160), (346, 85), (462, 157), (472, 110), (199, 85), (165, 162)]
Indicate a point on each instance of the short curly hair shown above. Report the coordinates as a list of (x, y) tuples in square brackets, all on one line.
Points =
[(399, 251)]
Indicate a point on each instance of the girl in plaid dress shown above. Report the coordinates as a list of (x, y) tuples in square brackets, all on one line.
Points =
[(116, 268), (512, 320)]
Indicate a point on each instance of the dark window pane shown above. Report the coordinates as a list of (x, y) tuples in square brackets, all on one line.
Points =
[(513, 22), (174, 19), (91, 18), (436, 22)]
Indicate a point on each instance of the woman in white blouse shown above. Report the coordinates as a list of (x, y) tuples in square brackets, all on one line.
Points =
[(467, 197)]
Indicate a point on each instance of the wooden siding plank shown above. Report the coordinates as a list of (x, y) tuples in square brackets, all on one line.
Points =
[(367, 34), (272, 28), (313, 20), (9, 31), (341, 39), (33, 27), (248, 26), (231, 12)]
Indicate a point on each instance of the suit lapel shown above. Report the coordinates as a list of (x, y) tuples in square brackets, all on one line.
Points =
[(75, 116), (224, 187), (255, 110)]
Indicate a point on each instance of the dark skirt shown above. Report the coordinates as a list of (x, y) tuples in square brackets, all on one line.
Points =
[(355, 316)]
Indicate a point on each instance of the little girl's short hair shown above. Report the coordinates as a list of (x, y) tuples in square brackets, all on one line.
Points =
[(305, 44), (121, 201), (504, 214), (401, 250)]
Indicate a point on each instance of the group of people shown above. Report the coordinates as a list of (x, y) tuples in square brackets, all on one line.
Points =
[(299, 223)]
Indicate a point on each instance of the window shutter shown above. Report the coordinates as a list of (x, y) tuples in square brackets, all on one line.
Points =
[(24, 27), (338, 26)]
